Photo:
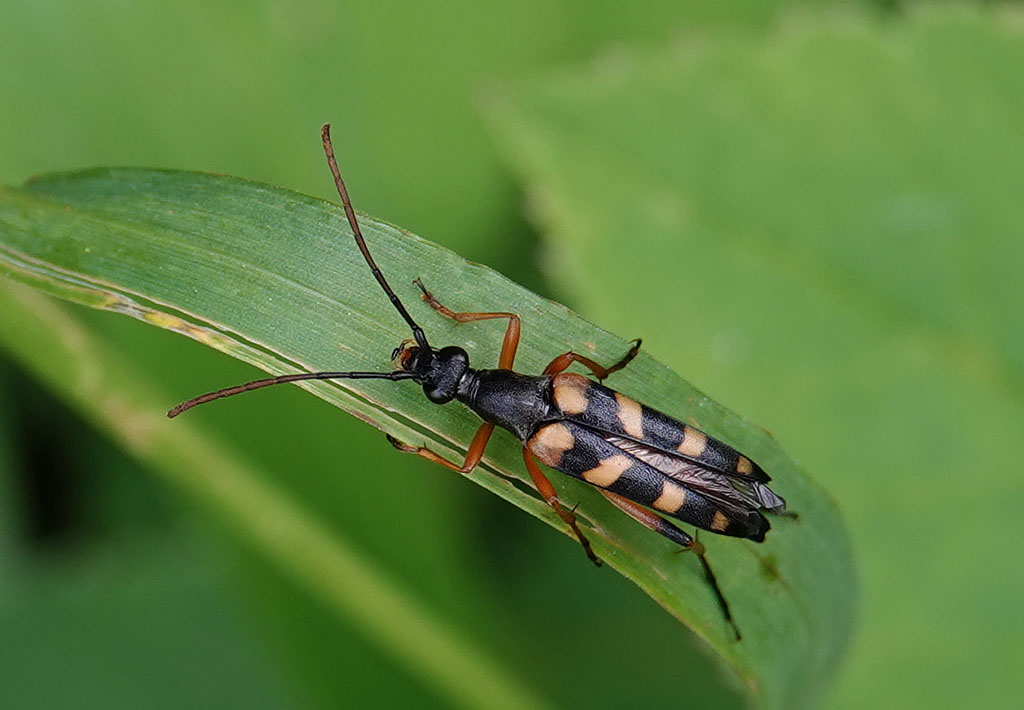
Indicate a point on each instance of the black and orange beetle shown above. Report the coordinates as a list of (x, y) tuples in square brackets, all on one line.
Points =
[(638, 458)]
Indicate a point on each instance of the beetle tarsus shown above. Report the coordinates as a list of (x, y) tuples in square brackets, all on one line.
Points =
[(401, 446)]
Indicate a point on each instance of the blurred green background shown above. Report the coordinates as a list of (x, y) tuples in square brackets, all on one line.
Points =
[(811, 210)]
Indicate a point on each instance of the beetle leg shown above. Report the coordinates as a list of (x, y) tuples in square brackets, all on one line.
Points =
[(659, 525), (508, 345), (563, 361), (473, 456), (547, 492)]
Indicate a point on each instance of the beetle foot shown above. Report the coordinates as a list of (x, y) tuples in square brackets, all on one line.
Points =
[(402, 446)]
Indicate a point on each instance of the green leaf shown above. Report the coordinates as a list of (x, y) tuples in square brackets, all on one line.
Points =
[(823, 226), (103, 384), (274, 278)]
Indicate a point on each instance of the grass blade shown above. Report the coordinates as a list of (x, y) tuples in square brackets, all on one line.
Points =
[(273, 278)]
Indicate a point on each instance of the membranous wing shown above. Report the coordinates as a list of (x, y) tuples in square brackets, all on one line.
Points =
[(735, 492)]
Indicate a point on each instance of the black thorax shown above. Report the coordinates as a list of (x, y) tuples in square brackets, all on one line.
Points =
[(513, 401)]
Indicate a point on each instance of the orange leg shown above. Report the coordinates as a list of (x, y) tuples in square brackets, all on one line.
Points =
[(560, 363), (473, 456), (659, 525), (547, 492), (508, 345)]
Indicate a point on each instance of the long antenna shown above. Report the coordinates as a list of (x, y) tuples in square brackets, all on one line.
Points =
[(417, 332), (257, 384)]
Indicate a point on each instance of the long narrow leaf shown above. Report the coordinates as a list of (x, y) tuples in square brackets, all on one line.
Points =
[(273, 278)]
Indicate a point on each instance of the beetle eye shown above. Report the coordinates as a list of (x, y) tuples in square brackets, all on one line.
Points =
[(403, 355)]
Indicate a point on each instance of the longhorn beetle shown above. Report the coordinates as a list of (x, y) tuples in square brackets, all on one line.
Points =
[(638, 458)]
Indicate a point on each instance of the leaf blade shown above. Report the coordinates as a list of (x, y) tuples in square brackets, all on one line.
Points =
[(273, 278)]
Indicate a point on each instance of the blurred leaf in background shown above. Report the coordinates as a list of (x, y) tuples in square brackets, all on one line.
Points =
[(230, 263), (825, 170), (823, 226)]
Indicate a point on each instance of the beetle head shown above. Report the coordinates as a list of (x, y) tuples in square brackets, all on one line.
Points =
[(439, 371)]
